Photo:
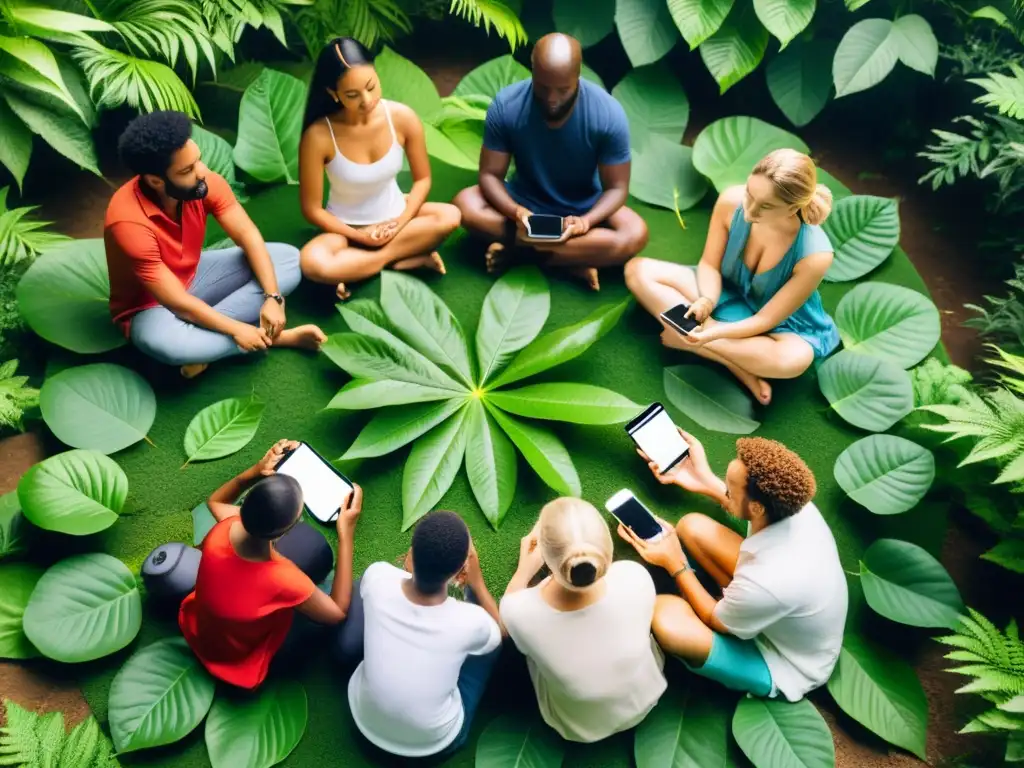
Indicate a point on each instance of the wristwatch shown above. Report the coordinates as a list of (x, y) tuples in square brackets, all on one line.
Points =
[(275, 296)]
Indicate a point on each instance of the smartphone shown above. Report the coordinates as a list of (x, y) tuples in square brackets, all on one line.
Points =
[(323, 486), (542, 226), (656, 434), (676, 317), (628, 510)]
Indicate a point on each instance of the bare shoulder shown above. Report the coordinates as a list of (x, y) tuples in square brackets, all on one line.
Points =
[(317, 138), (816, 263), (403, 116), (731, 197)]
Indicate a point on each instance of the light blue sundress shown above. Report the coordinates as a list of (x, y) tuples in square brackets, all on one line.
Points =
[(744, 293)]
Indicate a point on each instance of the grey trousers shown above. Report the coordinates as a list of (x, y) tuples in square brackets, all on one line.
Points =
[(225, 281)]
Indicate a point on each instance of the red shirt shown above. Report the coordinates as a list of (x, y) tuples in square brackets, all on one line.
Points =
[(241, 611), (142, 241)]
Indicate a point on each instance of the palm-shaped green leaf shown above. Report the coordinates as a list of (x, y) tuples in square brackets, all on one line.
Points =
[(392, 428), (431, 468), (543, 451), (490, 463), (117, 78), (364, 394), (374, 358), (21, 234), (514, 311), (575, 403), (492, 13)]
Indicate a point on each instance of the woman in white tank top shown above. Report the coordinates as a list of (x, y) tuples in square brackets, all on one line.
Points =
[(359, 140)]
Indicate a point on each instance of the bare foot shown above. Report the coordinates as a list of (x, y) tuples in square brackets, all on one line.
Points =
[(431, 261), (343, 292), (588, 275), (759, 388), (192, 370), (497, 257), (301, 337)]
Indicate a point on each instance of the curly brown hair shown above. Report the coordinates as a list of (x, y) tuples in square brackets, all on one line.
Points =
[(776, 477)]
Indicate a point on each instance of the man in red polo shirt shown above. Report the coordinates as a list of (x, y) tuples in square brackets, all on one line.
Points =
[(177, 303)]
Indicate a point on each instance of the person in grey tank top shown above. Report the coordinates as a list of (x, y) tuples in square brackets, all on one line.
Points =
[(359, 140)]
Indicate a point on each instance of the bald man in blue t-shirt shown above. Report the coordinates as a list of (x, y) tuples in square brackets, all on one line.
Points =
[(570, 142)]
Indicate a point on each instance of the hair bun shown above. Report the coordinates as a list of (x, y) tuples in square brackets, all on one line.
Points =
[(819, 207), (584, 567)]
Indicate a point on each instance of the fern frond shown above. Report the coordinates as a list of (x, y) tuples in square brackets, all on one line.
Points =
[(40, 741), (1003, 92), (492, 14), (996, 420), (15, 396), (22, 236), (368, 21), (1008, 361), (995, 661)]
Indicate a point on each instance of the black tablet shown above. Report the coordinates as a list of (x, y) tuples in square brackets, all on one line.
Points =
[(324, 488)]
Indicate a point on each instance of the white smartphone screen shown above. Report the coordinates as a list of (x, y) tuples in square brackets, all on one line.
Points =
[(323, 489), (658, 437)]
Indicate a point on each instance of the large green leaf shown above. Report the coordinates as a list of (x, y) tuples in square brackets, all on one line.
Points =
[(431, 468), (890, 322), (426, 323), (365, 394), (491, 464), (589, 74), (64, 297), (392, 428), (736, 48), (515, 309), (15, 143), (509, 741), (687, 729), (403, 81), (590, 23), (1008, 553), (376, 355), (916, 43), (785, 19), (663, 173), (562, 345), (270, 126), (728, 149), (17, 580), (774, 733), (885, 473), (31, 64), (58, 126), (865, 56), (223, 428), (543, 451), (839, 190), (863, 230), (158, 697), (118, 79), (800, 81), (575, 403), (103, 407), (218, 156), (654, 101), (491, 76), (12, 526), (881, 692), (698, 20), (45, 22), (906, 584), (202, 523), (646, 30), (84, 608), (456, 142), (76, 492), (257, 731), (710, 398), (867, 392)]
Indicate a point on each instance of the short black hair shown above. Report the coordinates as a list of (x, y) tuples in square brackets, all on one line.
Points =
[(272, 506), (440, 546), (150, 141)]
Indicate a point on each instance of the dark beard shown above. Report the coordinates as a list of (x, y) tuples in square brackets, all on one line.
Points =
[(562, 112), (197, 192)]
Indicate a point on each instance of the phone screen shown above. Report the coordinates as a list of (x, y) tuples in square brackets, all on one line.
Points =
[(676, 317), (635, 515), (656, 434), (323, 489), (543, 225)]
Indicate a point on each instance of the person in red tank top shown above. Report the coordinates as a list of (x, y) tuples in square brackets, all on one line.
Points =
[(241, 611)]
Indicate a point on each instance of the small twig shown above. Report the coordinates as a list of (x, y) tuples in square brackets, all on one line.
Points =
[(675, 205), (146, 438)]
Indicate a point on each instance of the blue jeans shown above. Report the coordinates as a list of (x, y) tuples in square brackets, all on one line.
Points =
[(225, 281)]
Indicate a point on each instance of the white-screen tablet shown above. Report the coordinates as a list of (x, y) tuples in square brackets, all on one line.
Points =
[(323, 487), (656, 434)]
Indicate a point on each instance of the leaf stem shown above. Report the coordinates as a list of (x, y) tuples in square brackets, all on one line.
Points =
[(146, 438)]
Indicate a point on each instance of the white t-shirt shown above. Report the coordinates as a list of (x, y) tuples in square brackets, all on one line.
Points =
[(404, 695), (789, 593), (598, 670)]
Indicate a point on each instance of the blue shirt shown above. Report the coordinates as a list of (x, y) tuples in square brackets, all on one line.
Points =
[(556, 168)]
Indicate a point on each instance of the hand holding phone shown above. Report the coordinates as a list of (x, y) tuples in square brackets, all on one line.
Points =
[(544, 227), (323, 487), (350, 510), (680, 319), (630, 512), (660, 441), (664, 552)]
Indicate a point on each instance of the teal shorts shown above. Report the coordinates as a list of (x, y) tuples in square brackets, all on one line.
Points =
[(736, 664)]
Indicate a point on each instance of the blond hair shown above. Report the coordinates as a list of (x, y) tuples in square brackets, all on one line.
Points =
[(575, 542), (796, 183)]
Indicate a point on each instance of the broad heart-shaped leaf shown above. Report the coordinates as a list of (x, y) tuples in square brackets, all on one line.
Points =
[(916, 43), (785, 19), (491, 464), (75, 492), (865, 56), (885, 473), (686, 729), (654, 101), (365, 394), (403, 81), (84, 608), (800, 80), (491, 76), (645, 29), (64, 297), (392, 428), (13, 526), (735, 50), (218, 156), (575, 403), (515, 309), (906, 584), (381, 358), (697, 20), (562, 345), (774, 733), (863, 230), (509, 741), (889, 322), (223, 428), (431, 468), (590, 23), (270, 126), (257, 731), (543, 451), (17, 580), (102, 407), (425, 323), (728, 149), (710, 398), (663, 173), (159, 696), (881, 692), (456, 142), (867, 392)]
